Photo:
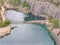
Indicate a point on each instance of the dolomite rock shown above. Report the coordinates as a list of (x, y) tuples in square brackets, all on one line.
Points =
[(5, 31), (45, 8)]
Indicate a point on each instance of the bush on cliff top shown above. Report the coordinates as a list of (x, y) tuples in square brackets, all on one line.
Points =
[(0, 18), (55, 2), (1, 2), (25, 4), (55, 22), (15, 2), (4, 24)]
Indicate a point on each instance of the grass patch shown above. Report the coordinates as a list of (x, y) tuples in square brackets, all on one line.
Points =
[(15, 2), (54, 21), (55, 2), (1, 2), (25, 4), (4, 24), (0, 18)]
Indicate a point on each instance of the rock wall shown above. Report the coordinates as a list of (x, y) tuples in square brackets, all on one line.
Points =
[(3, 12), (44, 7), (5, 31)]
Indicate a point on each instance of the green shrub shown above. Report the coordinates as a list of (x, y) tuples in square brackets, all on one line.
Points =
[(0, 18), (4, 24), (55, 22), (55, 2), (1, 2), (15, 2), (25, 4)]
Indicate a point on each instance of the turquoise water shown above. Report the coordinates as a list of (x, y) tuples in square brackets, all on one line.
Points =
[(32, 17), (26, 34), (17, 16)]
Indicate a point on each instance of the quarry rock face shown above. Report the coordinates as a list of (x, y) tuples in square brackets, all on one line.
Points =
[(43, 7)]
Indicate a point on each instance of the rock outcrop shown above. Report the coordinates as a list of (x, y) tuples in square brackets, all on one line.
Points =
[(5, 31), (44, 7)]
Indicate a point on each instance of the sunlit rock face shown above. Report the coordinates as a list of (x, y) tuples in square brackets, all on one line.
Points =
[(5, 31), (43, 7), (31, 2)]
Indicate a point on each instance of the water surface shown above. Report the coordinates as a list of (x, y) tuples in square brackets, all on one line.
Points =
[(26, 34), (17, 16)]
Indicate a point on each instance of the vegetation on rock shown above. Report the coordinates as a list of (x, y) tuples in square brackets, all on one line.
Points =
[(25, 4), (1, 2), (0, 18), (15, 2), (4, 24), (55, 2), (55, 22)]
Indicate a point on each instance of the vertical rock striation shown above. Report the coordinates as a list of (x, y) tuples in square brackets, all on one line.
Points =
[(43, 7), (46, 8)]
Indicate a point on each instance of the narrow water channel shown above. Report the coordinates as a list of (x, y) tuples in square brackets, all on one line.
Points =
[(26, 34)]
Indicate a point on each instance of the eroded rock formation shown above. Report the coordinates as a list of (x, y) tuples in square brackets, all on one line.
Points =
[(44, 7)]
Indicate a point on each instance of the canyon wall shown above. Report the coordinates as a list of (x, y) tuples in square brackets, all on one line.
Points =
[(44, 8)]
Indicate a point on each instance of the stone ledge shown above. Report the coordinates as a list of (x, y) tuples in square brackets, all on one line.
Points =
[(5, 31)]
